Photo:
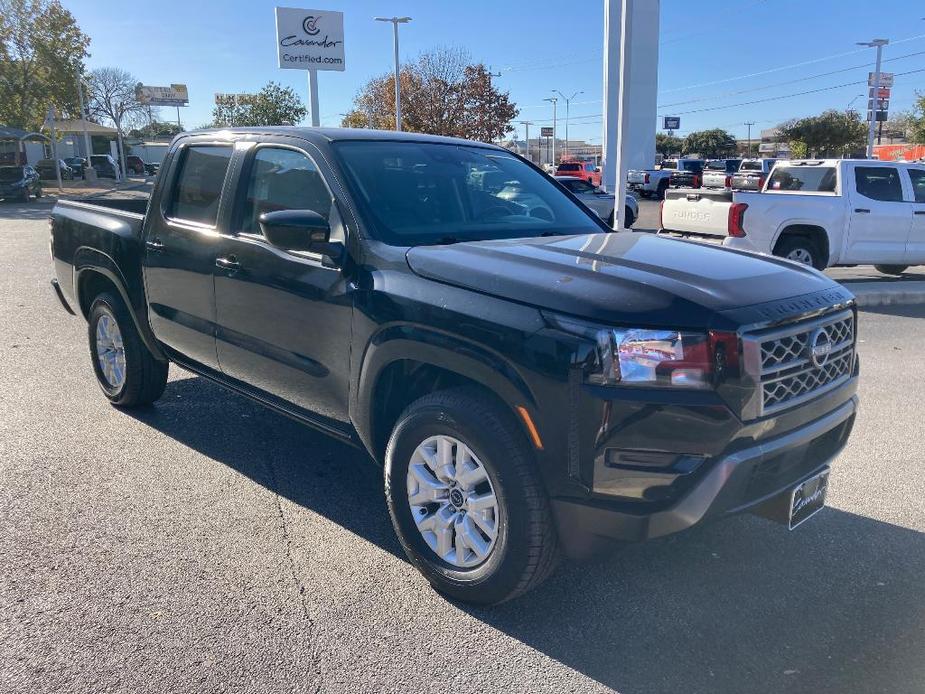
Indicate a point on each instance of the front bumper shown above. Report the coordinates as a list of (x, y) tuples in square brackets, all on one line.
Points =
[(733, 483)]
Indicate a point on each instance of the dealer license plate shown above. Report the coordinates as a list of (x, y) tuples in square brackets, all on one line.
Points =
[(808, 498)]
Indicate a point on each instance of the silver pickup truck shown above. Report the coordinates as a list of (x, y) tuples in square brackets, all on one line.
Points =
[(655, 182), (717, 174)]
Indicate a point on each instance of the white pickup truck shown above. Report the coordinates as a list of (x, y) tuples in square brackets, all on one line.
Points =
[(655, 182), (821, 213)]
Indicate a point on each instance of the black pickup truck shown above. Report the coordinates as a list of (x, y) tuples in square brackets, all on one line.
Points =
[(529, 381)]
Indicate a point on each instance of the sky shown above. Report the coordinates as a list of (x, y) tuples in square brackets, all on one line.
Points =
[(789, 58)]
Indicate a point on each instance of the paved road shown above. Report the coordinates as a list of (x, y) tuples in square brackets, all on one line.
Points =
[(206, 544)]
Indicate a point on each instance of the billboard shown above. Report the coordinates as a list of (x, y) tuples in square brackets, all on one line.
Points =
[(310, 39), (174, 95)]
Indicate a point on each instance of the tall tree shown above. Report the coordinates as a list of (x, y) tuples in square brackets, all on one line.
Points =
[(917, 129), (667, 145), (111, 97), (831, 133), (272, 105), (442, 93), (42, 53), (711, 144)]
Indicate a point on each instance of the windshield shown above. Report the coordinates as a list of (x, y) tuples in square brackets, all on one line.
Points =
[(669, 165), (11, 173), (715, 166), (751, 166), (431, 193)]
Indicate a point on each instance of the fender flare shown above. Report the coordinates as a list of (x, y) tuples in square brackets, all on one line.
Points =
[(90, 260), (783, 226), (435, 348)]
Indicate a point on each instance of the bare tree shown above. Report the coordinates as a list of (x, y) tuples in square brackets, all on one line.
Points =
[(112, 98)]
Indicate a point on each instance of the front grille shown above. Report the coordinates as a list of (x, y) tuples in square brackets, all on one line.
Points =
[(791, 374)]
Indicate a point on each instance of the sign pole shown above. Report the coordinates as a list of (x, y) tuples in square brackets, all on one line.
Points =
[(178, 117), (313, 97)]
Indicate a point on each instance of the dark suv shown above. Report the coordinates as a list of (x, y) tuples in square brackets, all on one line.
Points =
[(529, 380)]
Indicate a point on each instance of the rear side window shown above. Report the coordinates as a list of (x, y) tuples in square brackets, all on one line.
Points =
[(198, 186), (669, 165), (918, 183), (879, 183), (695, 166), (803, 179), (569, 167)]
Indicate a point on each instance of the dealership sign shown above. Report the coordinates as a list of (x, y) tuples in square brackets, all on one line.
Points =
[(174, 95), (546, 131), (671, 123), (310, 39)]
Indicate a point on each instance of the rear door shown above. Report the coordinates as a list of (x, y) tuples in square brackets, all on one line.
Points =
[(915, 245), (180, 242), (283, 317), (880, 219)]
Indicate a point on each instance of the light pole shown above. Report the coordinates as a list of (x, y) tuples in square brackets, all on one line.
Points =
[(89, 171), (567, 100), (554, 100), (749, 124), (395, 22), (878, 44), (527, 124)]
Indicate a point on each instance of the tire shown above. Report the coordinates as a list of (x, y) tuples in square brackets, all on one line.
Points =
[(38, 192), (628, 218), (801, 249), (662, 189), (24, 196), (891, 269), (525, 546), (138, 378)]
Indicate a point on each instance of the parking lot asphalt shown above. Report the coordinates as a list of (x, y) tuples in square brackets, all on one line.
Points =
[(207, 544)]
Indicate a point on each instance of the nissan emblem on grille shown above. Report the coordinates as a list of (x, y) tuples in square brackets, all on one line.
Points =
[(805, 361)]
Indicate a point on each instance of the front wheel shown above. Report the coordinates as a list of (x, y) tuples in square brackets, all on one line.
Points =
[(465, 498), (891, 269), (126, 371)]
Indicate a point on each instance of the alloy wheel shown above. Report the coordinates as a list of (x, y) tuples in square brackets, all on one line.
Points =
[(453, 501), (110, 352)]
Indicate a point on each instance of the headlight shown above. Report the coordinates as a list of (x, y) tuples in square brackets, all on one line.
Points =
[(656, 358)]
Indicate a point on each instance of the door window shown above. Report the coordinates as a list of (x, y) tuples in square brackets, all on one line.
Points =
[(282, 179), (198, 187), (879, 183), (918, 183)]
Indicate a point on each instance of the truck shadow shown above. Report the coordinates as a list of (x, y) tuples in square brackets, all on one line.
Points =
[(737, 606)]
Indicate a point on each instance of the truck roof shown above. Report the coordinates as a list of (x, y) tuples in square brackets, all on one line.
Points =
[(342, 134), (836, 162)]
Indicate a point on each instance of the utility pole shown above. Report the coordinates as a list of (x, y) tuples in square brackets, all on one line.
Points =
[(395, 22), (567, 100), (527, 124), (750, 124), (89, 171), (878, 44), (52, 115), (554, 100)]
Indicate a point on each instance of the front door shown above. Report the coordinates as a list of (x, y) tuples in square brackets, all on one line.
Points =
[(283, 318), (180, 253), (915, 246), (879, 218)]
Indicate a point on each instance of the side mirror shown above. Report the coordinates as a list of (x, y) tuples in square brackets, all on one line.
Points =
[(299, 230)]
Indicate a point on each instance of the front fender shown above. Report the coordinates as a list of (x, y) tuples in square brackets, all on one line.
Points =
[(436, 348)]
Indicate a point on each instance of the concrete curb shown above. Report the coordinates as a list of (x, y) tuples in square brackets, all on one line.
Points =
[(897, 293)]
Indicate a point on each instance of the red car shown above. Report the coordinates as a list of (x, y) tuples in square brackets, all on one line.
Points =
[(135, 164), (584, 170)]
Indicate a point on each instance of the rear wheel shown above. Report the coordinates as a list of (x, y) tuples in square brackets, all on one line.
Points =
[(628, 218), (126, 371), (891, 269), (465, 498), (800, 249)]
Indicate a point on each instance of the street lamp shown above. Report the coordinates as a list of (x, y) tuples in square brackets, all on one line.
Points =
[(527, 124), (554, 100), (395, 22), (878, 44), (567, 100)]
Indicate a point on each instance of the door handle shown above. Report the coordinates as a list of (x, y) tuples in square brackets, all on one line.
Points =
[(862, 210), (154, 245), (227, 262)]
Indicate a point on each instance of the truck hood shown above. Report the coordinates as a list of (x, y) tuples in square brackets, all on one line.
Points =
[(629, 278)]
